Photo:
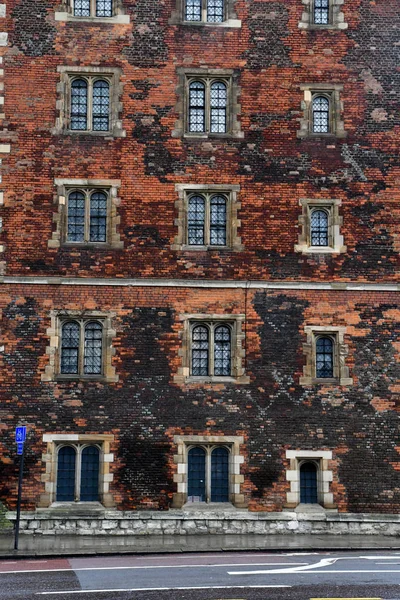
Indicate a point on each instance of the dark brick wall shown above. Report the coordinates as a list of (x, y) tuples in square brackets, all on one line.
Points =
[(273, 167), (145, 409)]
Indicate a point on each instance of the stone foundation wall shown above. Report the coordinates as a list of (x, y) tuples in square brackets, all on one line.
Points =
[(195, 523)]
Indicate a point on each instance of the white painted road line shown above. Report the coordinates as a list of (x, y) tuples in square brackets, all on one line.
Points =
[(306, 572), (324, 562), (164, 589), (108, 568)]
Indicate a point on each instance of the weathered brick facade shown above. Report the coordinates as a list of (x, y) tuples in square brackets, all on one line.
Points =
[(146, 282)]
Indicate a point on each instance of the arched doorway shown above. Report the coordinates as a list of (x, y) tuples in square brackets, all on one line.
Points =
[(308, 483)]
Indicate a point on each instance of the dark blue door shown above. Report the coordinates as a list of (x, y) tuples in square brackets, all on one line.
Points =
[(197, 474), (308, 483), (220, 475), (66, 474), (90, 474)]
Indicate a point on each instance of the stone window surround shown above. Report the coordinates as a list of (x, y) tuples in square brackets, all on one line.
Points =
[(113, 75), (336, 20), (341, 350), (231, 20), (229, 76), (324, 476), (231, 191), (65, 12), (331, 205), (58, 317), (50, 457), (331, 91), (184, 442), (236, 321), (64, 187)]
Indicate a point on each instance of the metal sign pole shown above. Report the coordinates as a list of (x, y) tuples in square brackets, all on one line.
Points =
[(21, 473)]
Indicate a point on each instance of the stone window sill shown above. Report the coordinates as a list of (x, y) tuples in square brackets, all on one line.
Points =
[(187, 248), (232, 23), (116, 19), (217, 380), (216, 136), (97, 378)]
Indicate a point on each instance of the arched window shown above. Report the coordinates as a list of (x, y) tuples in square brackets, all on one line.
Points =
[(87, 216), (218, 103), (90, 474), (206, 220), (211, 349), (220, 475), (101, 105), (319, 228), (196, 220), (197, 107), (104, 8), (320, 114), (66, 474), (324, 357), (98, 217), (93, 348), (308, 483), (215, 11), (79, 105), (91, 8), (193, 9), (200, 351), (197, 475), (321, 12), (82, 8), (222, 351), (76, 217), (81, 348), (70, 341), (218, 221), (78, 469)]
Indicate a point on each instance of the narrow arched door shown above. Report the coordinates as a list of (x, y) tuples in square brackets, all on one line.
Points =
[(308, 483)]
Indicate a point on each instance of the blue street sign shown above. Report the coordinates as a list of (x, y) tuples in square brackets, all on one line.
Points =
[(20, 434), (20, 448)]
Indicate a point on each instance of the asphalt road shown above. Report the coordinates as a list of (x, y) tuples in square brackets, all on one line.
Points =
[(233, 576)]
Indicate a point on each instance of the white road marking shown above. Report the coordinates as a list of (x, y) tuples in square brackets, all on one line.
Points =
[(164, 589), (108, 568), (308, 572), (324, 562)]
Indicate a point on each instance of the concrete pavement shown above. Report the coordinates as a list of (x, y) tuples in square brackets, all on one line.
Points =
[(31, 545)]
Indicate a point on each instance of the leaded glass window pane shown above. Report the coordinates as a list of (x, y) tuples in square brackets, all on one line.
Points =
[(193, 10), (196, 217), (101, 105), (79, 104), (321, 12), (320, 109), (197, 107), (70, 335), (104, 8), (93, 348), (220, 475), (98, 217), (82, 8), (90, 474), (308, 484), (218, 101), (222, 351), (324, 356), (197, 475), (76, 217), (215, 11), (319, 228), (218, 221), (66, 474), (200, 351)]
